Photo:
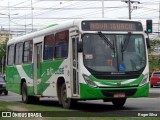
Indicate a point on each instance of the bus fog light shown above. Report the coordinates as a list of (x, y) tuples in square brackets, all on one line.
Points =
[(88, 81), (145, 80)]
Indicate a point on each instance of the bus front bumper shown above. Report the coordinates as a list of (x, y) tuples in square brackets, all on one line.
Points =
[(88, 92)]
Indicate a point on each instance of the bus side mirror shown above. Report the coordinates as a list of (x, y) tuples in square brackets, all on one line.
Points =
[(79, 46), (148, 43)]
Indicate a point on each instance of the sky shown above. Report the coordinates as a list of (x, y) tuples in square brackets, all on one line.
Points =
[(24, 15)]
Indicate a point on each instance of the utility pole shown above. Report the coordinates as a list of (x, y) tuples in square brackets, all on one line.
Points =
[(159, 19), (129, 8), (9, 20), (32, 13), (129, 2), (102, 8)]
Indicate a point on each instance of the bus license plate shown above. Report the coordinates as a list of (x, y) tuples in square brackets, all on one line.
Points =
[(119, 95)]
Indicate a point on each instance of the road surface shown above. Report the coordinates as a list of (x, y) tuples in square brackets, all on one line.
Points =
[(151, 103)]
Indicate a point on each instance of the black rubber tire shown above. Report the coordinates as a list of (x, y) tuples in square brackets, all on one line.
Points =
[(1, 92), (25, 98), (67, 103), (151, 86), (35, 99), (119, 102), (6, 92)]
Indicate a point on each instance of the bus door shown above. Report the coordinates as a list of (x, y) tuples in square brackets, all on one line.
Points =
[(75, 65), (37, 68)]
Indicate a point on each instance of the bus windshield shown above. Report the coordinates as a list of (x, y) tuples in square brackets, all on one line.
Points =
[(124, 53)]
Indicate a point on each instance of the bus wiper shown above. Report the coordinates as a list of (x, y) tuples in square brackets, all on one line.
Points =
[(124, 46), (106, 40)]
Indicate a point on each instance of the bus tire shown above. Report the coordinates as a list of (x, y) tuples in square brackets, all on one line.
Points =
[(119, 102), (66, 102), (151, 86), (6, 92), (35, 99), (25, 98)]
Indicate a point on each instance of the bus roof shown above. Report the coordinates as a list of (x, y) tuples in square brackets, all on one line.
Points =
[(42, 32), (49, 30)]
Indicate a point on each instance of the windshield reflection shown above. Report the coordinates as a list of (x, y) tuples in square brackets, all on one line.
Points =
[(100, 56)]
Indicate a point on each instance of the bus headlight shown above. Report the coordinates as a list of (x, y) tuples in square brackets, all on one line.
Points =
[(88, 81), (144, 80)]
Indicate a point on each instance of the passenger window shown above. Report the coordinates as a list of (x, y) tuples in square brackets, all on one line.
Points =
[(27, 51), (61, 48), (10, 60), (49, 43), (18, 52)]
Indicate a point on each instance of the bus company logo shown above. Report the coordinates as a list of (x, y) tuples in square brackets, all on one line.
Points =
[(51, 71), (118, 83), (6, 114)]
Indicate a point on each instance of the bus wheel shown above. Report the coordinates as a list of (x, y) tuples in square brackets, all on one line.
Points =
[(66, 102), (35, 99), (119, 102), (25, 97), (6, 92)]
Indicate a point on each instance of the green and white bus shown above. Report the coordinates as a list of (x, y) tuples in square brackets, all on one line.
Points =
[(84, 59)]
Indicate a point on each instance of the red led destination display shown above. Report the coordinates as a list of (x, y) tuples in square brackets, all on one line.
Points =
[(111, 26)]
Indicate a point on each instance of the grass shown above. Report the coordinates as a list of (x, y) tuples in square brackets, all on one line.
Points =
[(13, 106), (83, 118), (53, 107)]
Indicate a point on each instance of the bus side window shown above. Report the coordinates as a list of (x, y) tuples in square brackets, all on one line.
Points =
[(61, 48), (49, 43), (27, 51), (10, 58), (18, 52)]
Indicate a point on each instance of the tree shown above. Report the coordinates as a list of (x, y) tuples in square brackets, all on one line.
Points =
[(3, 47), (154, 44), (154, 59)]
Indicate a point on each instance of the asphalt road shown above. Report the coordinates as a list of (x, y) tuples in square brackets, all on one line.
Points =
[(151, 103)]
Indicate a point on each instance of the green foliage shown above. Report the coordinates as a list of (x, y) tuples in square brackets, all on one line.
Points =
[(3, 46), (154, 66), (154, 60), (154, 43)]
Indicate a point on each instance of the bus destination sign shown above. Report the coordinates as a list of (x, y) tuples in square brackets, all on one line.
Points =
[(111, 25)]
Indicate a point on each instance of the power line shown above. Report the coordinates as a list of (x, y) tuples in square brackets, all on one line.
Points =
[(147, 12), (90, 11), (59, 9), (29, 13)]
